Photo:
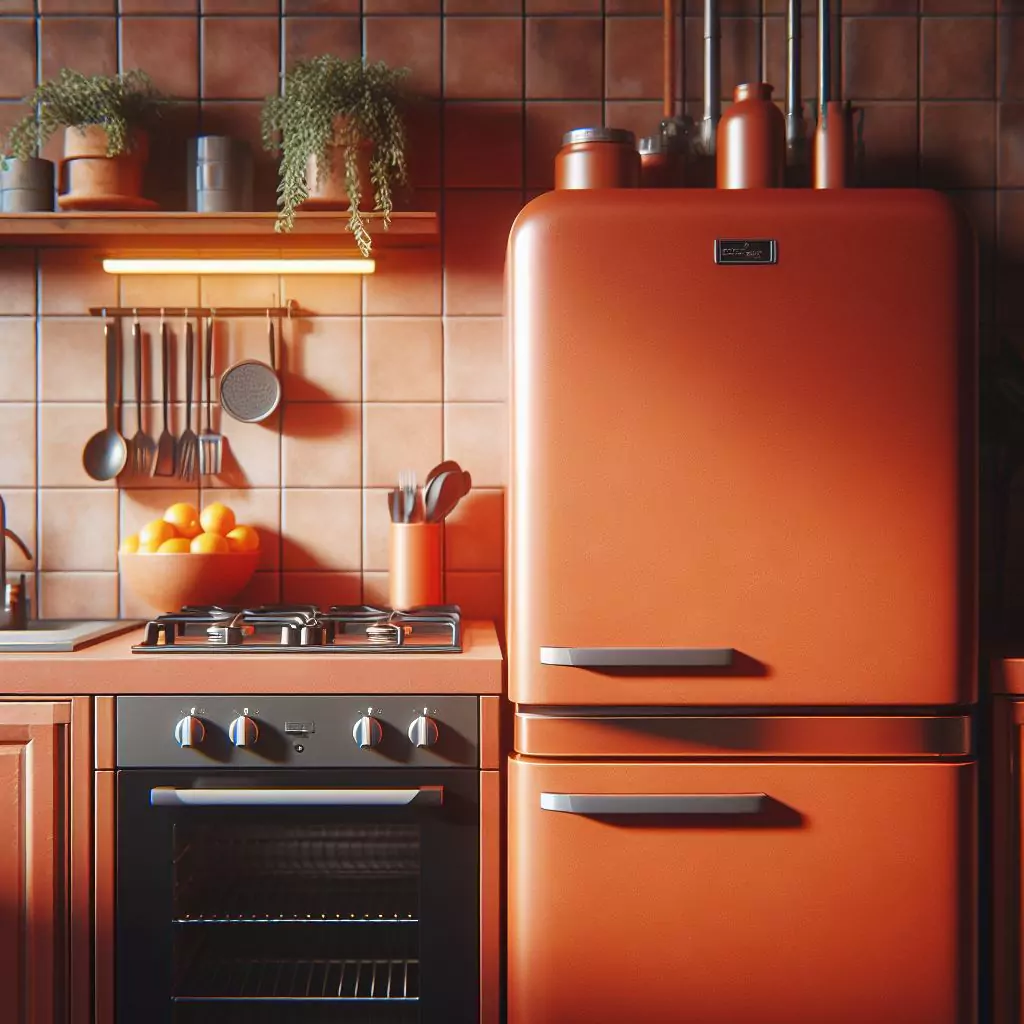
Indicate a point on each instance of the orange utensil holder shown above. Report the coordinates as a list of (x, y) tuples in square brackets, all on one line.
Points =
[(415, 566)]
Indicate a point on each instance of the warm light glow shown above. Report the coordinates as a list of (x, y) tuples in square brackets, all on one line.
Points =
[(213, 266)]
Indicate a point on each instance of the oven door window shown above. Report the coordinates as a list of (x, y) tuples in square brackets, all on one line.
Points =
[(296, 913)]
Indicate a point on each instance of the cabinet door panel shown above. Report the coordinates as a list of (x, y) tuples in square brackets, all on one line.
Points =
[(32, 862)]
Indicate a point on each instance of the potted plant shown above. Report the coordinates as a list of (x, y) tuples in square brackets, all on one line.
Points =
[(105, 144), (341, 136)]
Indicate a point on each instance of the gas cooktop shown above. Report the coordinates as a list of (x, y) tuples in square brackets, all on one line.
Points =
[(304, 629)]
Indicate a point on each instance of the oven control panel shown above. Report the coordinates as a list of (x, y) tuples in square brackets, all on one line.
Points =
[(302, 731)]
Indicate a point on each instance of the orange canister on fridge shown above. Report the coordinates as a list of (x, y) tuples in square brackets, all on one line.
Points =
[(597, 158), (751, 140)]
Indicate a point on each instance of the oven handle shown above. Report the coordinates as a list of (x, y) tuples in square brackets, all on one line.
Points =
[(424, 796), (638, 657), (644, 803)]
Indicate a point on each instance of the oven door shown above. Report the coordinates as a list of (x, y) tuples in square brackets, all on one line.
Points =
[(297, 897)]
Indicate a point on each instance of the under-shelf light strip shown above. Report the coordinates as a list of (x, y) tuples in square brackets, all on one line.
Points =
[(229, 266)]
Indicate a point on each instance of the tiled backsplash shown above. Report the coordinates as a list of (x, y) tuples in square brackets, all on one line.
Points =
[(407, 367)]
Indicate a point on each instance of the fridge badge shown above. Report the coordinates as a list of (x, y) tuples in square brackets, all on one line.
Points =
[(746, 251)]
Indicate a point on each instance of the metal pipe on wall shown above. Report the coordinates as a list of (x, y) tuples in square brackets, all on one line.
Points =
[(712, 76), (794, 104)]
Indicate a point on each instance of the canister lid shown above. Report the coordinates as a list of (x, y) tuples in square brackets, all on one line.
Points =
[(598, 134)]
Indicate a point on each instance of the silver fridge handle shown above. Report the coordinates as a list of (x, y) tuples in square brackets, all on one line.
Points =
[(168, 796), (638, 657), (654, 803)]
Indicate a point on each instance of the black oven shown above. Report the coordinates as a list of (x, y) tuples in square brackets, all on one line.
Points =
[(274, 893)]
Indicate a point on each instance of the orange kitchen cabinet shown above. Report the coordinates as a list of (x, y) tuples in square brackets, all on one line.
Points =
[(45, 858), (800, 892)]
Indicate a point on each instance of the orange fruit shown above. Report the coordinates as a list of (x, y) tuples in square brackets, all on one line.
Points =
[(217, 518), (130, 545), (184, 518), (208, 544), (243, 538), (175, 546), (149, 547), (157, 531)]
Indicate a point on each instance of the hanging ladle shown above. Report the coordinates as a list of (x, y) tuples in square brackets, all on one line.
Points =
[(106, 451), (251, 390)]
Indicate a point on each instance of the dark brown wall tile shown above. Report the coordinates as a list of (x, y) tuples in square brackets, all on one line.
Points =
[(17, 57), (483, 145), (641, 117), (167, 170), (563, 6), (890, 144), (483, 58), (546, 123), (958, 6), (311, 37), (632, 58), (958, 58), (321, 6), (88, 45), (958, 145), (880, 59), (483, 6), (563, 58), (775, 58), (414, 43), (401, 6), (77, 6), (423, 148), (159, 6), (1010, 255), (239, 6), (891, 7), (726, 8), (1011, 145), (1010, 60), (240, 57), (633, 7), (167, 48), (17, 7)]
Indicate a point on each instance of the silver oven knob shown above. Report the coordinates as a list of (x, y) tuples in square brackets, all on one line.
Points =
[(367, 732), (243, 731), (189, 731), (423, 731)]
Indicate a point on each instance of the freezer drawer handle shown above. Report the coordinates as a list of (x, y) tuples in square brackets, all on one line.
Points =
[(642, 803), (168, 796), (638, 657)]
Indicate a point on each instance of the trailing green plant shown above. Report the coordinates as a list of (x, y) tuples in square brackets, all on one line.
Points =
[(329, 102), (118, 103)]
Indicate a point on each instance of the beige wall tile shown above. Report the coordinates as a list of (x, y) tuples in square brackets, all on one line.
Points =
[(474, 533), (18, 280), (74, 281), (17, 359), (78, 595), (397, 437), (476, 436), (18, 455), (159, 290), (375, 589), (256, 507), (322, 445), (64, 431), (21, 519), (322, 360), (402, 359), (79, 529), (376, 528), (323, 588), (263, 588), (240, 290), (324, 294), (475, 367), (73, 360), (321, 529), (407, 283), (251, 451)]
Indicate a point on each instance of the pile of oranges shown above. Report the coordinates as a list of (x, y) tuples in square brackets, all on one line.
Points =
[(184, 529)]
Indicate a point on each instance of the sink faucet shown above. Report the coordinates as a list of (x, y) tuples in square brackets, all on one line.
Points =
[(14, 610)]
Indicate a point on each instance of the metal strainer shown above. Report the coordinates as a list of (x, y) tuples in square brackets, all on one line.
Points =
[(251, 390)]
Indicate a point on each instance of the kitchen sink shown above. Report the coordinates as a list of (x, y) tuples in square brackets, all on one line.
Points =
[(62, 634)]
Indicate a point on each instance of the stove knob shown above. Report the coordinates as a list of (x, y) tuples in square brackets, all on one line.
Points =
[(367, 732), (189, 732), (243, 732), (423, 731)]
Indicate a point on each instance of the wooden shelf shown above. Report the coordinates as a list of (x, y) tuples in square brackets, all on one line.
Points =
[(239, 234)]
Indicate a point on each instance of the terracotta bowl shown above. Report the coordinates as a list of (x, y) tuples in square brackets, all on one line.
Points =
[(169, 582)]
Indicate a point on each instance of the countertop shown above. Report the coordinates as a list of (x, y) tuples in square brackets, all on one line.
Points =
[(110, 667)]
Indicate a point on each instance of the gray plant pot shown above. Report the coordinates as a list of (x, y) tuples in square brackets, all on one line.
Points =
[(220, 175), (26, 186)]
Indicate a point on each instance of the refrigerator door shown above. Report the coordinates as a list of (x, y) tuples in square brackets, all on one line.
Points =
[(741, 484), (761, 893)]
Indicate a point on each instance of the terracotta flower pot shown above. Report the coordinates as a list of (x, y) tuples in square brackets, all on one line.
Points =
[(89, 177), (330, 192)]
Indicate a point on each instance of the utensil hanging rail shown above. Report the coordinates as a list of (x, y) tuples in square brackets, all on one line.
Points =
[(219, 312)]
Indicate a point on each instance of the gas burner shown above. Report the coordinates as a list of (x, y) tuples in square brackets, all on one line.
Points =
[(303, 628)]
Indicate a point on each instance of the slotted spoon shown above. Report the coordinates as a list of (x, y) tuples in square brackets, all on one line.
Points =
[(141, 447)]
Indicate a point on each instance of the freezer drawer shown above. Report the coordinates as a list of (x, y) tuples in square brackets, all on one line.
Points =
[(741, 893), (741, 485)]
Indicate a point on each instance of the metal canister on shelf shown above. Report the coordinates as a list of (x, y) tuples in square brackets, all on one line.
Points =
[(597, 158), (26, 186), (752, 140), (220, 175), (662, 162)]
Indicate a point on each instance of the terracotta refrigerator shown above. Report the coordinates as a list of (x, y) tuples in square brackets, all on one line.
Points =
[(741, 608)]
